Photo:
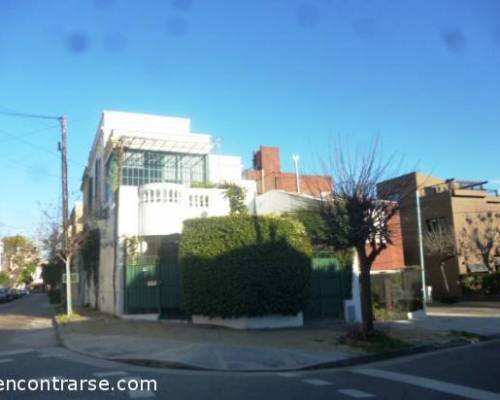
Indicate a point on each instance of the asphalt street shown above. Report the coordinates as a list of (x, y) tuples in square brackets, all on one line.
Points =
[(29, 350)]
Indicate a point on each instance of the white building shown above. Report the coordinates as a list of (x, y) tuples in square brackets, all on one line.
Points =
[(166, 173)]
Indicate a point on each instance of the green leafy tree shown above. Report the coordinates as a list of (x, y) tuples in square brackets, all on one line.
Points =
[(22, 255), (52, 273), (27, 273), (236, 196), (4, 279)]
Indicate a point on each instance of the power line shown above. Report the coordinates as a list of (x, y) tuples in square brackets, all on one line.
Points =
[(40, 148), (14, 113)]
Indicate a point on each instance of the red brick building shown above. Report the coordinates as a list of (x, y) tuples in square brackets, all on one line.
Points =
[(268, 175), (392, 258)]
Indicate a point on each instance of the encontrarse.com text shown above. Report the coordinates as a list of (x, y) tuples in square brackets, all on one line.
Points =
[(59, 384)]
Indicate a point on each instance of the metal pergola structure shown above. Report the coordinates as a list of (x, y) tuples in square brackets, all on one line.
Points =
[(189, 144)]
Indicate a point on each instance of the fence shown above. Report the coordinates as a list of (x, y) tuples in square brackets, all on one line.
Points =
[(396, 293), (153, 281)]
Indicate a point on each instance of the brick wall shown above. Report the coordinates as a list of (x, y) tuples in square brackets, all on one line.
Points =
[(393, 256), (267, 172)]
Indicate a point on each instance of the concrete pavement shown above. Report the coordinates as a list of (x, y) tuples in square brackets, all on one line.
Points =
[(183, 345), (480, 318), (27, 323)]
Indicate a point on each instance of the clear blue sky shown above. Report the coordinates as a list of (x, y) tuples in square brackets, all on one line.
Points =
[(424, 75)]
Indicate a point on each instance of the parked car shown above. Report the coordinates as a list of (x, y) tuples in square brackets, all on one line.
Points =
[(4, 295), (12, 294), (24, 292)]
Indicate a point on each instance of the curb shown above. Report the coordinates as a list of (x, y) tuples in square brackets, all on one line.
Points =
[(350, 362)]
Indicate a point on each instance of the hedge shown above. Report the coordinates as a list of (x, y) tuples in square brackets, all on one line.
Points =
[(482, 283), (237, 266)]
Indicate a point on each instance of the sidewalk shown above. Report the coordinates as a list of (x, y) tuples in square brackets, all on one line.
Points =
[(480, 318), (183, 345)]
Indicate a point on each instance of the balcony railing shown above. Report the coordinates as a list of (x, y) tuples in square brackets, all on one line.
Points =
[(163, 207), (177, 194)]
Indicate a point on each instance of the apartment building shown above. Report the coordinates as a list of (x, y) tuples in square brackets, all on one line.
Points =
[(450, 205)]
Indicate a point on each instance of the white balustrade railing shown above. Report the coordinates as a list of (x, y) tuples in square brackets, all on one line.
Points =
[(177, 194)]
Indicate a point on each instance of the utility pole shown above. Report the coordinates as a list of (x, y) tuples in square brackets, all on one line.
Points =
[(421, 251), (296, 158), (64, 185)]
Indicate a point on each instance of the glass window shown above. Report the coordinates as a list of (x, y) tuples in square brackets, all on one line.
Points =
[(141, 167)]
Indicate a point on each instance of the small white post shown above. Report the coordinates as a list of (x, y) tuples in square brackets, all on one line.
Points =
[(352, 307)]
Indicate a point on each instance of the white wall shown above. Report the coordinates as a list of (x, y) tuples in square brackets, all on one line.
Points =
[(276, 201), (145, 122), (224, 168)]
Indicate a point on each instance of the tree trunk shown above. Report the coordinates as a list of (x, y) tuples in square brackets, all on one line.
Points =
[(366, 292), (69, 299)]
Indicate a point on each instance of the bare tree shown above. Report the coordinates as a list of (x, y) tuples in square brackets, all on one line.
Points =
[(481, 237), (61, 248), (356, 210), (441, 244)]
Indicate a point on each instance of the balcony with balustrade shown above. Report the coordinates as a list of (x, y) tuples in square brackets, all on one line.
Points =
[(164, 206)]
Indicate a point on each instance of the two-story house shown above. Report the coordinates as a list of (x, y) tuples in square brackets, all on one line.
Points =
[(145, 175)]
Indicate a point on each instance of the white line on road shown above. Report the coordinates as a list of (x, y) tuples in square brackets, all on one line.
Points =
[(439, 386), (140, 394), (288, 374), (52, 355), (14, 352), (357, 394), (316, 382), (107, 374), (6, 360)]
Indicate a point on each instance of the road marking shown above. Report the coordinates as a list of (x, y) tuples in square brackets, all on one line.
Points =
[(140, 394), (52, 355), (106, 374), (288, 374), (316, 382), (439, 386), (14, 352), (6, 360), (357, 394)]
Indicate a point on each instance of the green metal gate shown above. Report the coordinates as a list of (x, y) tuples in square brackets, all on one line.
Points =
[(153, 279), (153, 282), (330, 286), (141, 288)]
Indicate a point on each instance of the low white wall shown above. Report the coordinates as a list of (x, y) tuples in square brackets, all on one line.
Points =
[(265, 322)]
